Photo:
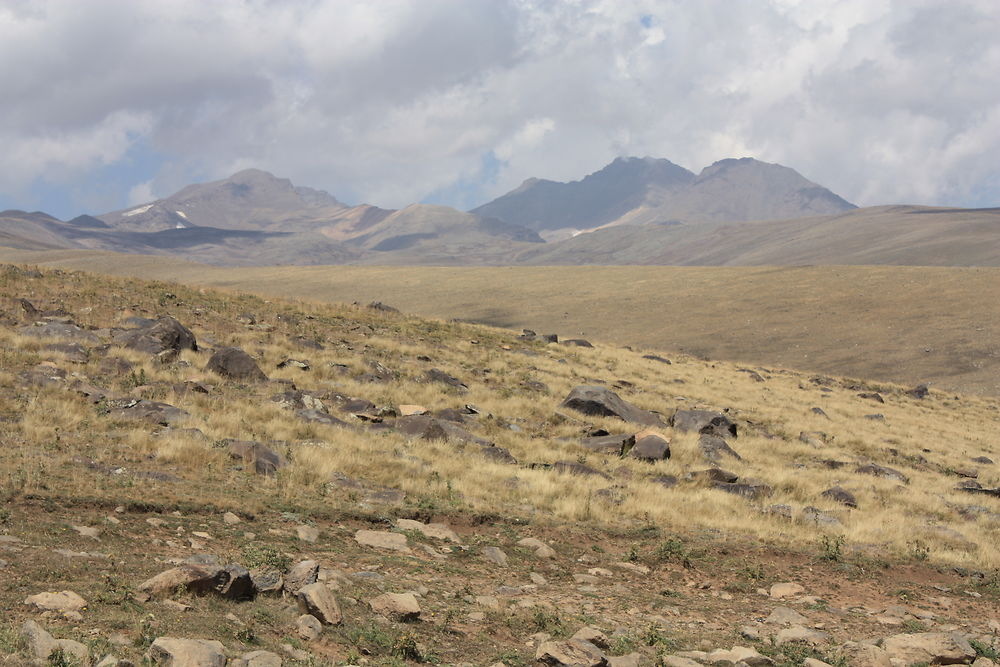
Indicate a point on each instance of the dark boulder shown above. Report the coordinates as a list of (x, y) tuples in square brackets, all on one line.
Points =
[(882, 471), (150, 411), (235, 364), (498, 454), (577, 342), (704, 421), (163, 338), (651, 448), (840, 495), (618, 445), (601, 402), (653, 357), (436, 375), (920, 391), (714, 448), (378, 305), (874, 396), (716, 475)]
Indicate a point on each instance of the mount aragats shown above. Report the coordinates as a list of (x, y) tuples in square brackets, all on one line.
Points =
[(633, 211)]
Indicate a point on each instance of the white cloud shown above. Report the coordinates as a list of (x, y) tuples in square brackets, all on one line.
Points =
[(881, 100)]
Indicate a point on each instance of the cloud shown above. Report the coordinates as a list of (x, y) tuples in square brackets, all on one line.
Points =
[(394, 102)]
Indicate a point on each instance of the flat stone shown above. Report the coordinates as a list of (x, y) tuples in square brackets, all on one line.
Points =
[(495, 555), (437, 531), (174, 652), (381, 539), (932, 648), (396, 606), (257, 659), (786, 590), (785, 616), (307, 533), (571, 653), (63, 601)]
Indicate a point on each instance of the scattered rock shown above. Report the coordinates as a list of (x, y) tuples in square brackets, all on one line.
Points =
[(382, 540), (396, 606), (172, 652), (257, 659), (317, 600), (713, 448), (307, 533), (929, 648), (651, 448), (495, 555), (840, 495), (881, 471), (601, 402), (155, 412), (920, 391), (308, 627), (571, 653), (301, 574), (164, 338), (786, 590), (785, 616), (578, 342), (439, 531), (579, 469), (235, 364), (42, 645), (436, 375), (619, 445), (801, 634), (704, 421), (65, 601), (232, 581)]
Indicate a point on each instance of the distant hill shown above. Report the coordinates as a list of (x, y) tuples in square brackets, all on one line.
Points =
[(900, 235), (635, 211), (643, 190)]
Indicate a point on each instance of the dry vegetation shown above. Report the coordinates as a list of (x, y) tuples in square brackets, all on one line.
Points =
[(58, 450), (901, 324)]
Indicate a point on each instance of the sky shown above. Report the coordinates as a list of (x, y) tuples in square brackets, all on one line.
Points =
[(109, 103)]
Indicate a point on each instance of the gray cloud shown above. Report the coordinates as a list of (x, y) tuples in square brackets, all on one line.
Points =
[(392, 101)]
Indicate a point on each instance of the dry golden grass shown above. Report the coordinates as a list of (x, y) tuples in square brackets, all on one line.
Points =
[(927, 439), (901, 324)]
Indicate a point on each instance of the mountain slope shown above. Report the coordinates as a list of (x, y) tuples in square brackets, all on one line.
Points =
[(900, 235), (635, 191)]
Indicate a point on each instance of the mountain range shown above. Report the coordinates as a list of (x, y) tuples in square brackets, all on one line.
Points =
[(633, 211)]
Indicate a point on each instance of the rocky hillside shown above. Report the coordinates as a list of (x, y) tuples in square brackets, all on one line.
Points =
[(206, 478)]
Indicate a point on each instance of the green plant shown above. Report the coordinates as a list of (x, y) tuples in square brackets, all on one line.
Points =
[(918, 550), (263, 555), (548, 621), (653, 635), (672, 549), (832, 548), (983, 651)]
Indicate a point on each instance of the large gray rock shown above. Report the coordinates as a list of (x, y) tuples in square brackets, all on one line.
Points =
[(155, 412), (235, 364), (63, 330), (602, 402), (929, 648), (396, 606), (41, 644), (232, 582), (317, 600), (610, 444), (704, 421), (882, 471), (714, 448), (164, 338), (174, 652), (651, 448)]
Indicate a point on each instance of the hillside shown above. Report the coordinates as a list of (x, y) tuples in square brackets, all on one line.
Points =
[(184, 500), (898, 324), (878, 235), (647, 190)]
